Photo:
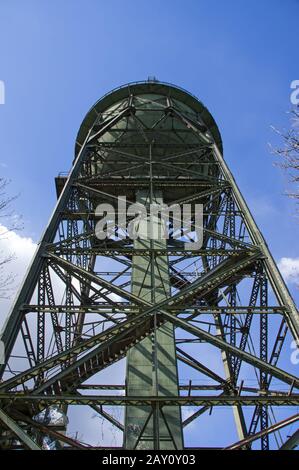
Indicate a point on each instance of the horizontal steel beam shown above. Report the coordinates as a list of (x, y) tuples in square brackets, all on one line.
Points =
[(126, 308), (221, 400), (63, 250)]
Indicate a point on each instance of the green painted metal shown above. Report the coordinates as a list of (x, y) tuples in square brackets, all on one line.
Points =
[(151, 364), (151, 142), (18, 431), (150, 89), (162, 401), (292, 442)]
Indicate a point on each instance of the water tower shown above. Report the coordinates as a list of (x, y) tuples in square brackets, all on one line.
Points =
[(201, 319)]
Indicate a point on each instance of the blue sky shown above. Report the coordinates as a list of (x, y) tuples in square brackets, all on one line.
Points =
[(58, 57)]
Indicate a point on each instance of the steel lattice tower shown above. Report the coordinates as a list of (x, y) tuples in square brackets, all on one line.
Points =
[(200, 329)]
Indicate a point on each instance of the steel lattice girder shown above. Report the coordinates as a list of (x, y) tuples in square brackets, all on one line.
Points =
[(13, 322), (192, 159), (124, 329), (183, 323), (18, 431), (221, 400)]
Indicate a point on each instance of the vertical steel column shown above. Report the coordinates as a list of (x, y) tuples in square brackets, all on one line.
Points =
[(264, 356), (151, 364)]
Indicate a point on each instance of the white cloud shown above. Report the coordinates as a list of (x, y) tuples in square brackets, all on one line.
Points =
[(22, 248), (289, 268), (94, 431)]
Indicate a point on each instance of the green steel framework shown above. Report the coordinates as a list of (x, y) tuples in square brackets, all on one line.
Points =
[(199, 328)]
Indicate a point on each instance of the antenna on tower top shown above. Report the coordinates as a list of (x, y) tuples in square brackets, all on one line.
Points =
[(152, 78)]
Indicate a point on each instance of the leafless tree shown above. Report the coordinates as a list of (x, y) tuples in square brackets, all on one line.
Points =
[(11, 223), (288, 153)]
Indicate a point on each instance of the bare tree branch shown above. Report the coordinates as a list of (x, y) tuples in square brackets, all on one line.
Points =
[(288, 153), (6, 279)]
